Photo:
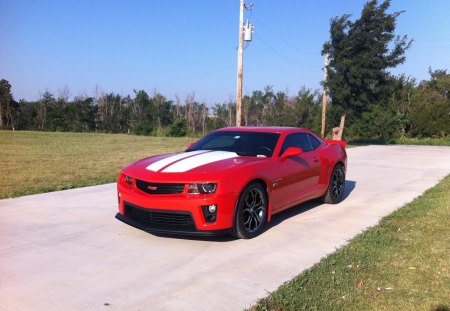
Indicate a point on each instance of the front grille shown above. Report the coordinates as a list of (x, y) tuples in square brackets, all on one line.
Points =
[(159, 188), (155, 219)]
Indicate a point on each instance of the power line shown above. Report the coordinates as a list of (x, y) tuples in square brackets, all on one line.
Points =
[(281, 38), (280, 54)]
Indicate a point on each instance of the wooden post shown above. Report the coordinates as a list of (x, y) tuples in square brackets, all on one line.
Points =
[(324, 96), (341, 126), (338, 131), (240, 65)]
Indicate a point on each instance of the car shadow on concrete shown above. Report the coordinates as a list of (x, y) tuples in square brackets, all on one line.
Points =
[(276, 219), (350, 185)]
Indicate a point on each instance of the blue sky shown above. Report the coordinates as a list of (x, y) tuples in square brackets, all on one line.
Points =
[(178, 47)]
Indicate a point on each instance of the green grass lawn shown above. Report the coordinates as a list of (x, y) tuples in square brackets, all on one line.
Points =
[(401, 264), (34, 162)]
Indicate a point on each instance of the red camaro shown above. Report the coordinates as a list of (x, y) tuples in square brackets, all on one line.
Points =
[(231, 181)]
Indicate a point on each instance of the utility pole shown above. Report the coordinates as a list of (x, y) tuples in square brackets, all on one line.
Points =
[(324, 96), (240, 64)]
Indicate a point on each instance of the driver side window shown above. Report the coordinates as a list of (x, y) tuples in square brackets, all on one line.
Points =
[(298, 140)]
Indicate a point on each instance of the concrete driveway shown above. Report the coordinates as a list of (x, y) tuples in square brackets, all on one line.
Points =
[(66, 251)]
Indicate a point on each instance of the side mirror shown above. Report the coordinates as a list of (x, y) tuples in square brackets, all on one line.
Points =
[(291, 152)]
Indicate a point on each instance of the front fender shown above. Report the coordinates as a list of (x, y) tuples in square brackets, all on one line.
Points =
[(247, 175)]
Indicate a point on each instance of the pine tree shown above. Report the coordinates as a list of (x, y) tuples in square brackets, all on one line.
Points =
[(7, 106), (361, 52)]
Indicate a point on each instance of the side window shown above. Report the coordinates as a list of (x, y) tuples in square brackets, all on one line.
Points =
[(314, 142), (288, 142), (298, 140)]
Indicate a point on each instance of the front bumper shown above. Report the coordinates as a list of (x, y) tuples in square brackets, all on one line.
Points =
[(175, 214), (162, 222)]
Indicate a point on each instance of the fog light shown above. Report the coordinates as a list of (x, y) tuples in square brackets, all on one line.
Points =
[(212, 209), (210, 212)]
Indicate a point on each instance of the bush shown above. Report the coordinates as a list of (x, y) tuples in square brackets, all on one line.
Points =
[(143, 128), (178, 128)]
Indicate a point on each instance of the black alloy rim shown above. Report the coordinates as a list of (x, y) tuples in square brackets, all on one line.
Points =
[(338, 183), (254, 210)]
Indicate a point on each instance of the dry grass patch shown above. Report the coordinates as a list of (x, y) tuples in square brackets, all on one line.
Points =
[(33, 162)]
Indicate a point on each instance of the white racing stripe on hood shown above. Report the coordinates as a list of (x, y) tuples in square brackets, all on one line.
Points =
[(199, 160), (164, 162)]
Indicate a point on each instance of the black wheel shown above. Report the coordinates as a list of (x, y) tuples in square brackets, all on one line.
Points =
[(251, 212), (335, 191)]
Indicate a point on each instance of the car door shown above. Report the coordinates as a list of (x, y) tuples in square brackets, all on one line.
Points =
[(296, 175)]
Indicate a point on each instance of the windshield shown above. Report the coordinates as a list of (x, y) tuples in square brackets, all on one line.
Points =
[(243, 143)]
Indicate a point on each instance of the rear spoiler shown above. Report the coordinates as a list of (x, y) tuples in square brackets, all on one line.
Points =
[(343, 143)]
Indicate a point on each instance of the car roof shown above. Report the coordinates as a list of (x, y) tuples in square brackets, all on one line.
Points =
[(263, 129)]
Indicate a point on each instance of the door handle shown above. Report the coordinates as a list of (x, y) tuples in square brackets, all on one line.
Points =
[(316, 159)]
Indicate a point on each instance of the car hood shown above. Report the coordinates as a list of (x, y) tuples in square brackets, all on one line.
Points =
[(192, 163)]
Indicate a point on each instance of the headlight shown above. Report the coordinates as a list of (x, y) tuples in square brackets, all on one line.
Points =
[(208, 188), (203, 188), (128, 179)]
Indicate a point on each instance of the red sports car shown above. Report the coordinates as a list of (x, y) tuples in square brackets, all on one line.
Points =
[(231, 181)]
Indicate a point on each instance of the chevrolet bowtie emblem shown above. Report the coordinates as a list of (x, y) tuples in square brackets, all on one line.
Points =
[(276, 182)]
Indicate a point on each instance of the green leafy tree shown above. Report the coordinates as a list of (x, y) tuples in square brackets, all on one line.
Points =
[(27, 115), (279, 110), (360, 53), (178, 128), (307, 110), (45, 103), (256, 106), (222, 115), (8, 107), (113, 112), (143, 114), (389, 119), (430, 110), (79, 115)]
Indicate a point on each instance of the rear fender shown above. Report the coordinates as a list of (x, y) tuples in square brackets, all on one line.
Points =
[(331, 155)]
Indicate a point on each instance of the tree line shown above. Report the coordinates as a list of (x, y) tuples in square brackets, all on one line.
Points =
[(376, 104), (407, 109)]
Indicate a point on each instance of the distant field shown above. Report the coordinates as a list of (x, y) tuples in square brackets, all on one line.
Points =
[(34, 162), (442, 141)]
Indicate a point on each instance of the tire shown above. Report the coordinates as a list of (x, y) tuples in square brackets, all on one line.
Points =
[(251, 212), (336, 186)]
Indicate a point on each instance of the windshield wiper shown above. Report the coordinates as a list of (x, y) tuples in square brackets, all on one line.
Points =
[(240, 153)]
